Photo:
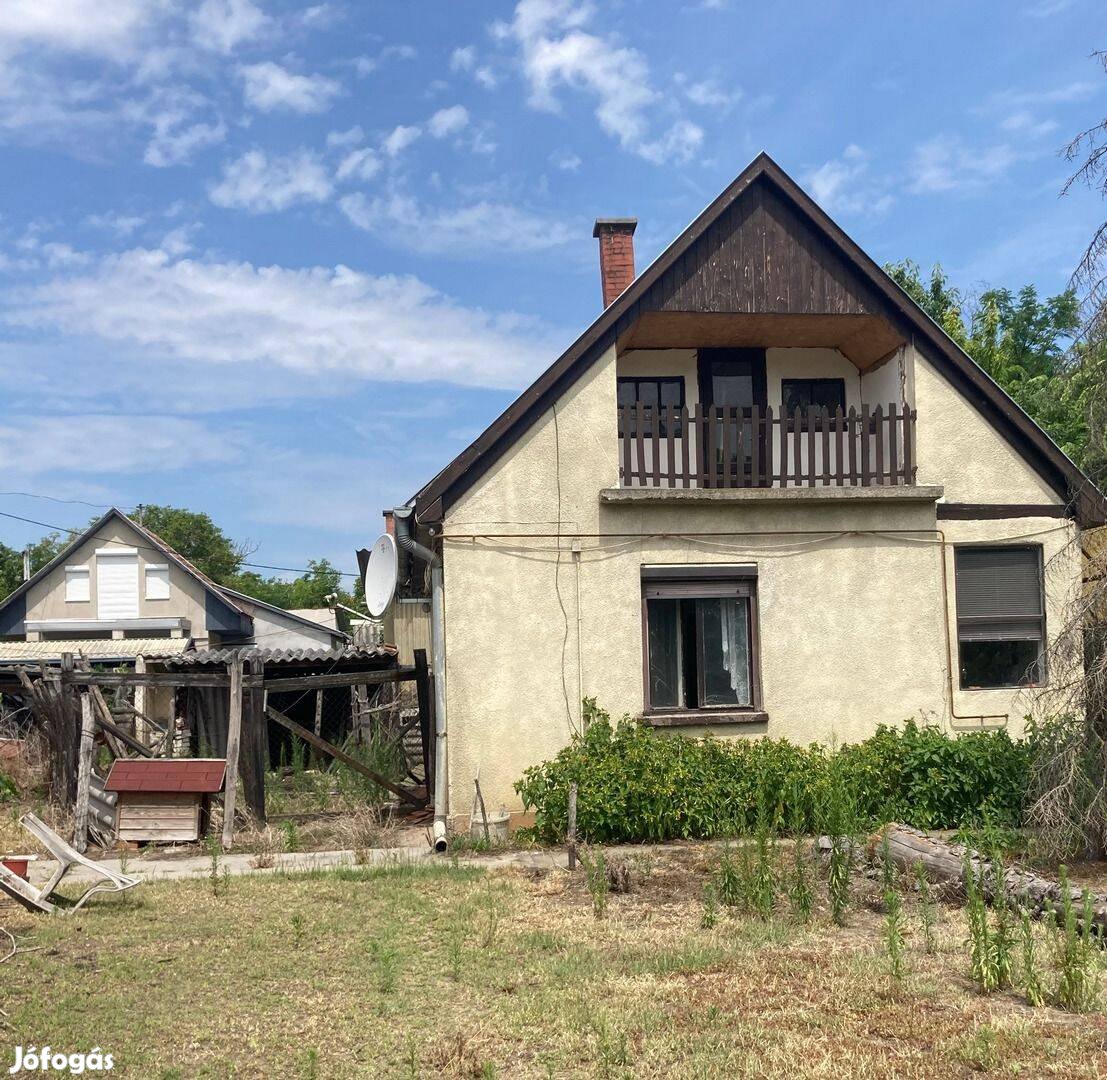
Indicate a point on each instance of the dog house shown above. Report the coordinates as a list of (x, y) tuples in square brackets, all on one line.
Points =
[(164, 800)]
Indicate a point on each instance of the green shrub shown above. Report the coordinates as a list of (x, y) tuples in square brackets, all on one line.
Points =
[(635, 784), (8, 792)]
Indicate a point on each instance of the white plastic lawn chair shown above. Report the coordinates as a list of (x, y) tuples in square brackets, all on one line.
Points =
[(67, 857)]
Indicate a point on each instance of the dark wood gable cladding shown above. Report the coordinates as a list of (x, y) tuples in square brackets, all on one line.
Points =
[(763, 259), (765, 249)]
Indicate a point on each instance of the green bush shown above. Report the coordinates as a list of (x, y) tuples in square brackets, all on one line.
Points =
[(7, 789), (634, 784)]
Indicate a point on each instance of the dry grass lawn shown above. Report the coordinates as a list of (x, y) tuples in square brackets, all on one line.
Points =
[(448, 971)]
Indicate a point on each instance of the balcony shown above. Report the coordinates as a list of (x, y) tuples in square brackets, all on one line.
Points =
[(711, 446)]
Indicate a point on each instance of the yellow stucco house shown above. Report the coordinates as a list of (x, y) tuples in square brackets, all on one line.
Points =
[(762, 494)]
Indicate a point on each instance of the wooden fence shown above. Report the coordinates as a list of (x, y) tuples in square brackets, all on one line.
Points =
[(724, 447)]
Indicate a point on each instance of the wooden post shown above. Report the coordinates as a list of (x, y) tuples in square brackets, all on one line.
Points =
[(571, 838), (142, 730), (234, 736), (251, 762), (84, 774), (69, 724)]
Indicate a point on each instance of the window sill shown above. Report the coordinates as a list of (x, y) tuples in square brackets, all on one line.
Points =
[(705, 718)]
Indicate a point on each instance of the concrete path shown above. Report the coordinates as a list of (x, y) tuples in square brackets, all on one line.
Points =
[(168, 868)]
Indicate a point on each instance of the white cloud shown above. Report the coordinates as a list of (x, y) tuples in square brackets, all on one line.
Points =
[(361, 164), (128, 444), (175, 139), (317, 321), (479, 227), (111, 30), (261, 184), (486, 77), (366, 65), (447, 122), (679, 143), (350, 137), (710, 94), (566, 160), (221, 25), (120, 224), (842, 185), (948, 163), (1027, 123), (400, 138), (464, 59), (557, 52), (269, 86)]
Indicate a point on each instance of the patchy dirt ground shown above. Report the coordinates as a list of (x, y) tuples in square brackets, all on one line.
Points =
[(446, 970)]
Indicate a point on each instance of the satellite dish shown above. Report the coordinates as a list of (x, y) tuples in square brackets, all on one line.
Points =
[(380, 575)]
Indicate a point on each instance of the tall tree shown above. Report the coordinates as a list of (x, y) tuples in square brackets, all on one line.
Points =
[(195, 536), (11, 561), (1028, 346), (1088, 151)]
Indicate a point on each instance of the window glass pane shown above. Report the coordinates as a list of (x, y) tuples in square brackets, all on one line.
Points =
[(828, 394), (664, 637), (626, 390), (671, 392), (726, 651), (1000, 663), (647, 393), (795, 394)]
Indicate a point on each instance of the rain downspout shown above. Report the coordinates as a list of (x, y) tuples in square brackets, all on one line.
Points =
[(401, 518)]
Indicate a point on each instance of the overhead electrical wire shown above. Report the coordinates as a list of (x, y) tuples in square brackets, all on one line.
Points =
[(147, 547)]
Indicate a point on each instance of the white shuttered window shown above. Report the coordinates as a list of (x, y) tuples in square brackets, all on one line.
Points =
[(157, 581), (76, 584)]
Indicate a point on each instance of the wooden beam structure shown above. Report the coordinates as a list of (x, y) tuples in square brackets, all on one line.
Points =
[(254, 737), (312, 739), (84, 774)]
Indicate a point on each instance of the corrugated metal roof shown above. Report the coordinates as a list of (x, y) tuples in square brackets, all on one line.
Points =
[(99, 649), (282, 656)]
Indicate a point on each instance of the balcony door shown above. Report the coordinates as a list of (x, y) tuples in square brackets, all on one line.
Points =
[(733, 379)]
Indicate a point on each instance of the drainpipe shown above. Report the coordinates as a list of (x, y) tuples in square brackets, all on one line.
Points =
[(401, 516)]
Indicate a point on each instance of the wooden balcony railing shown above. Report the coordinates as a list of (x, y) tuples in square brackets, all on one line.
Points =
[(720, 447)]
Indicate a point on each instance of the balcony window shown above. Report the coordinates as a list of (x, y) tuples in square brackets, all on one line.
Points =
[(1000, 617), (653, 392)]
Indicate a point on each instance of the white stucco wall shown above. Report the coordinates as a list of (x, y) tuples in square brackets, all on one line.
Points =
[(851, 626)]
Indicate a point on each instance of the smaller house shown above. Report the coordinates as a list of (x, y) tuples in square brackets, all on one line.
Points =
[(119, 591)]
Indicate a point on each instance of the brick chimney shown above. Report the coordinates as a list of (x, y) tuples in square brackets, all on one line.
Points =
[(616, 236)]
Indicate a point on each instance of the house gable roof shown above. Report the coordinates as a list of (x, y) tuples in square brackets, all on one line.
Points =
[(843, 280), (214, 592), (290, 616)]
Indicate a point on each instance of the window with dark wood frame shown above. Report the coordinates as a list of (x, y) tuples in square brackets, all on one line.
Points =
[(807, 394), (1001, 631), (654, 392), (700, 642)]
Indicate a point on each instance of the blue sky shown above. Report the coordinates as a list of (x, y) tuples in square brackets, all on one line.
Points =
[(281, 262)]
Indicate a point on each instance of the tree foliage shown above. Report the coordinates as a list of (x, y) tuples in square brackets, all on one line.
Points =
[(11, 560), (195, 536), (1030, 346)]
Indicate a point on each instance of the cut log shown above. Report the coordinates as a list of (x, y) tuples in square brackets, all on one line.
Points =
[(945, 863)]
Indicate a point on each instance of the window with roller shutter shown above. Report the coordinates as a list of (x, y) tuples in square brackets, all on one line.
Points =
[(1000, 617)]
